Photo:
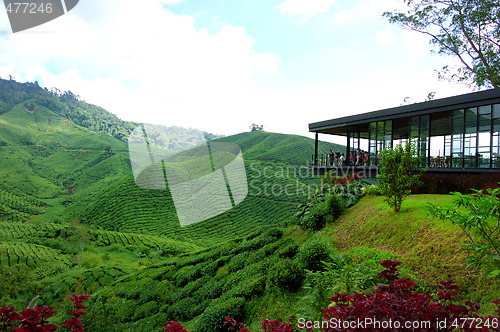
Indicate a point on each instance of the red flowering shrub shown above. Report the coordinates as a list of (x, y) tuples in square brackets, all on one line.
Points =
[(344, 181), (235, 326), (8, 315), (395, 306), (75, 324), (173, 326), (36, 319)]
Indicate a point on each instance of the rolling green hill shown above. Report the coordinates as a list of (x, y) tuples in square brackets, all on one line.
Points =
[(73, 220), (70, 208), (52, 154), (289, 149)]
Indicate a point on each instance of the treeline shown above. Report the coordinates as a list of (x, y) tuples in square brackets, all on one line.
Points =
[(66, 104), (70, 106)]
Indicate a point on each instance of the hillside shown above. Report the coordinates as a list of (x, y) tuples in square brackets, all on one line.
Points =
[(70, 209), (73, 220), (55, 155), (432, 248), (289, 149)]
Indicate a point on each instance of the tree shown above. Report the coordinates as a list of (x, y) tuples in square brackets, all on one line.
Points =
[(256, 127), (466, 29), (398, 172)]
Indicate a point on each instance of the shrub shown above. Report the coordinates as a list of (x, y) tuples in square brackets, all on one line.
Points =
[(397, 173), (394, 307), (286, 274), (212, 268), (36, 318), (396, 302), (273, 233), (289, 251), (180, 310), (17, 282), (238, 262), (318, 210), (334, 206), (311, 256), (215, 314), (249, 287), (374, 190)]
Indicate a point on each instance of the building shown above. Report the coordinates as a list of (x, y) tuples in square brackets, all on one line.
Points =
[(455, 134)]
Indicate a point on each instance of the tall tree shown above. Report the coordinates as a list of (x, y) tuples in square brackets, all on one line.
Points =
[(467, 29)]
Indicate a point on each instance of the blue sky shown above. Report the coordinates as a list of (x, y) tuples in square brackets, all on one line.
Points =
[(220, 65)]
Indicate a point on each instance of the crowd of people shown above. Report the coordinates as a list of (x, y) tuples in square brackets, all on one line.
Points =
[(357, 158)]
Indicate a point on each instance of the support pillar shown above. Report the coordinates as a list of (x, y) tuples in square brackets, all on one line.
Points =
[(315, 161), (348, 147)]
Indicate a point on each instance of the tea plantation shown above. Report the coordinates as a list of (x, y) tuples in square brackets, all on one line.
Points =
[(73, 221)]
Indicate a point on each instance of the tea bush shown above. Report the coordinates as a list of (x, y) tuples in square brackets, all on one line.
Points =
[(289, 251), (286, 274), (311, 256), (214, 315)]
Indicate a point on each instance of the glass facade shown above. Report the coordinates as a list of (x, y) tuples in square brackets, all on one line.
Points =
[(463, 138), (380, 137)]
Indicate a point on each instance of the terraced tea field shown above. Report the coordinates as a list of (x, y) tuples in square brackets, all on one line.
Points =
[(31, 255)]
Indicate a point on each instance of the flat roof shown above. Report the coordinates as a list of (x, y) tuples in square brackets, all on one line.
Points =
[(474, 99)]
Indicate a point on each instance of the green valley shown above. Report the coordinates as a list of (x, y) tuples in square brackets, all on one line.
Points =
[(73, 221)]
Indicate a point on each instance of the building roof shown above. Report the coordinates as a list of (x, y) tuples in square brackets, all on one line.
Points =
[(475, 99)]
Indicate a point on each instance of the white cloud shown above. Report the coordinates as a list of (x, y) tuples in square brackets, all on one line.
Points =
[(385, 37), (305, 8), (154, 68), (366, 10), (170, 2)]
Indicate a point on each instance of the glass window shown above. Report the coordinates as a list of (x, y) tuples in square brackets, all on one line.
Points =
[(457, 150), (495, 150), (484, 122), (484, 110), (496, 125), (470, 144), (483, 149), (484, 118), (471, 115), (424, 121), (458, 122), (373, 131), (380, 131), (495, 139), (496, 111), (388, 133), (447, 151)]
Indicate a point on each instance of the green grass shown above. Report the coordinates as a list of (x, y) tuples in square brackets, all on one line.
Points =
[(430, 247)]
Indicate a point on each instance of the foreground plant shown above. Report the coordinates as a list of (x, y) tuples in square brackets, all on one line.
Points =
[(398, 173), (478, 215), (390, 307), (395, 306), (36, 319)]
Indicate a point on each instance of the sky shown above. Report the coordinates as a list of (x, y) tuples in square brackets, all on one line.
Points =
[(221, 65)]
